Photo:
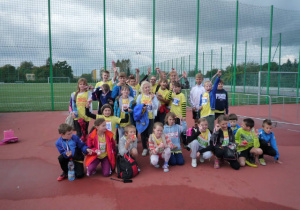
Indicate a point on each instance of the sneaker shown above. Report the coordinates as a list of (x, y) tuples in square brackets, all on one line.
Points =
[(201, 159), (262, 162), (194, 163), (166, 168), (144, 153), (250, 164), (217, 164), (61, 177)]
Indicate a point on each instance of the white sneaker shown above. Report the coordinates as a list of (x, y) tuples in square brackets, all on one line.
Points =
[(166, 168), (144, 153), (194, 163), (201, 159)]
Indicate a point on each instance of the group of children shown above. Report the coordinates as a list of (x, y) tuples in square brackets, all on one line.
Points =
[(155, 113)]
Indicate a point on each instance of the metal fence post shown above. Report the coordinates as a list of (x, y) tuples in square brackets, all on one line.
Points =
[(221, 60), (50, 54), (270, 107), (231, 70), (259, 84), (279, 65), (270, 46), (153, 38), (235, 48), (261, 42), (211, 58), (190, 64), (203, 63), (197, 38), (298, 79), (245, 65), (104, 32)]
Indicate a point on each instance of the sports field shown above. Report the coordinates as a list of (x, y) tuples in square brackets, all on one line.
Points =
[(25, 97)]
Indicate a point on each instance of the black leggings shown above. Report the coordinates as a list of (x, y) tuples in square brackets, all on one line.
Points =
[(267, 150), (219, 153), (78, 166), (77, 128), (146, 133)]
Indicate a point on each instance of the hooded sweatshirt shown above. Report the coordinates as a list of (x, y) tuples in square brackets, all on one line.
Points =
[(173, 132)]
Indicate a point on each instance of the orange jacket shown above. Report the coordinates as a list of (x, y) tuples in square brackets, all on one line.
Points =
[(93, 143)]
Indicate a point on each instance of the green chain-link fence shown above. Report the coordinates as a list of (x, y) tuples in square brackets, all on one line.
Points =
[(47, 45)]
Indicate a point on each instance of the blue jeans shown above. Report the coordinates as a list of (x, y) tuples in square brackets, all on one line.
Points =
[(176, 159)]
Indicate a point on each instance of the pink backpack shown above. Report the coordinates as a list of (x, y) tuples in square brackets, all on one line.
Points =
[(189, 132), (9, 137)]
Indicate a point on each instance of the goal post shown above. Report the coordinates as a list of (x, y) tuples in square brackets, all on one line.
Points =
[(60, 79), (282, 83)]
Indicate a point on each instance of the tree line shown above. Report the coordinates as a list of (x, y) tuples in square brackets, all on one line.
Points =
[(9, 73)]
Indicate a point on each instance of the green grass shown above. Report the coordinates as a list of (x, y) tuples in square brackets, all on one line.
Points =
[(37, 97)]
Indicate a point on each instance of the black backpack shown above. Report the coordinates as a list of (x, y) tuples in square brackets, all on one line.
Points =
[(127, 167)]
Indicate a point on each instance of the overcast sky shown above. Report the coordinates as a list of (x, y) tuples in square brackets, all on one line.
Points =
[(77, 31)]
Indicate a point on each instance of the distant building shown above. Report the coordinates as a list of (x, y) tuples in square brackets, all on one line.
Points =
[(30, 77)]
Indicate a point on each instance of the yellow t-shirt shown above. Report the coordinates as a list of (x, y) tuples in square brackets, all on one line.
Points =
[(102, 147), (110, 84), (153, 88), (81, 101), (125, 105), (147, 100), (136, 90), (226, 138), (111, 123), (163, 93), (203, 138), (206, 109), (177, 101)]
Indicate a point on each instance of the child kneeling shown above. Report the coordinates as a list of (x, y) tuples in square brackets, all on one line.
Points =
[(199, 140), (248, 143), (267, 142), (102, 143), (221, 141), (173, 131), (70, 147), (160, 146), (128, 142)]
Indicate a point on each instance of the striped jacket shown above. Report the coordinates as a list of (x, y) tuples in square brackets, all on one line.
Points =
[(153, 145)]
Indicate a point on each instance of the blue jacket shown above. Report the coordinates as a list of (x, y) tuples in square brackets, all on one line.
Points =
[(212, 95), (154, 104), (234, 131), (142, 119), (269, 138), (64, 145), (117, 91), (173, 132)]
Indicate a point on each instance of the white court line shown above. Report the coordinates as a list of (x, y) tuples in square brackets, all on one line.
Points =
[(294, 130)]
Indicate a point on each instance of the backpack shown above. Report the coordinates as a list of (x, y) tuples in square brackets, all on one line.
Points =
[(127, 167), (184, 136)]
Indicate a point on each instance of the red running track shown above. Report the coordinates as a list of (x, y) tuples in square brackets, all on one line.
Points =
[(29, 169)]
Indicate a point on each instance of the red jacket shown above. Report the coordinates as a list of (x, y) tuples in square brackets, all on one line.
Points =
[(93, 143)]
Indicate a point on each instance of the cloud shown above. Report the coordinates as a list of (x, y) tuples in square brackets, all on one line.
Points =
[(78, 38)]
